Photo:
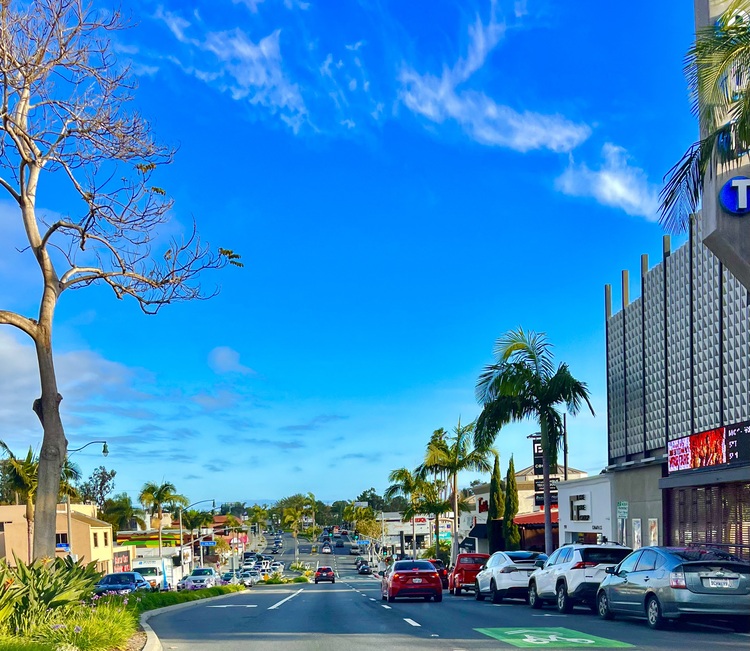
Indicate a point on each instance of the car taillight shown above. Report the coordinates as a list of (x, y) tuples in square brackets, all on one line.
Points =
[(582, 565), (435, 576), (396, 576), (507, 570), (677, 579)]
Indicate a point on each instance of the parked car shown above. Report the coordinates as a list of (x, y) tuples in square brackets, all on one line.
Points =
[(122, 583), (506, 574), (325, 573), (354, 550), (664, 584), (441, 570), (572, 575), (201, 577), (364, 568), (411, 579), (463, 576)]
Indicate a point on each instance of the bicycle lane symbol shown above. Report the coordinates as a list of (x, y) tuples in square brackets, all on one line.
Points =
[(557, 638)]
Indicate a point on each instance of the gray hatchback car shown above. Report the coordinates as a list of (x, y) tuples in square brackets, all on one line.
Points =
[(664, 584)]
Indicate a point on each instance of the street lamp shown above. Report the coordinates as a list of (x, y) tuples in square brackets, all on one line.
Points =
[(213, 506), (105, 452)]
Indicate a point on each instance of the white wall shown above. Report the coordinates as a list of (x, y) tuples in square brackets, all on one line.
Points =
[(596, 499)]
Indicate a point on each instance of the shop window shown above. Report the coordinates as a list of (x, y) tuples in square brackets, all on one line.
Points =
[(61, 538), (96, 539)]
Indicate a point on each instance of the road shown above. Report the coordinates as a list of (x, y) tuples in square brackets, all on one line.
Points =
[(350, 615)]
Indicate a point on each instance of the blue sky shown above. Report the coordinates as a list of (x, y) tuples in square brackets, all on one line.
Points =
[(405, 183)]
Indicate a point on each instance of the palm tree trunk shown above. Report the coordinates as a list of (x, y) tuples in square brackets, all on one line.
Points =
[(30, 527), (454, 537), (160, 515), (414, 535), (548, 543)]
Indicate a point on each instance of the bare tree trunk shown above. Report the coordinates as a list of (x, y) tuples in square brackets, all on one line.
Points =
[(54, 444), (548, 543)]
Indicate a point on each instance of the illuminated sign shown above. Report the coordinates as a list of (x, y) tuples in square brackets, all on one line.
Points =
[(733, 195), (716, 447)]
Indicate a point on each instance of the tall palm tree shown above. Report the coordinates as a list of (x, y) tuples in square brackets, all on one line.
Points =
[(432, 501), (523, 383), (156, 498), (194, 520), (121, 514), (22, 474), (410, 486), (293, 516), (258, 515), (717, 70), (455, 454), (311, 504)]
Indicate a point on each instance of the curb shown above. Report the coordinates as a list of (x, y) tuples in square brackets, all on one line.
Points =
[(153, 643)]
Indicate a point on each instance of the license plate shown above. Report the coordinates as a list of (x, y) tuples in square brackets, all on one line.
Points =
[(720, 583), (416, 580)]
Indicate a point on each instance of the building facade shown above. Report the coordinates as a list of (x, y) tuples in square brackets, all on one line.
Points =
[(678, 393)]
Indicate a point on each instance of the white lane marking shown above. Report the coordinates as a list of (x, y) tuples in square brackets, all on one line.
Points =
[(235, 606), (411, 621), (291, 596), (386, 607)]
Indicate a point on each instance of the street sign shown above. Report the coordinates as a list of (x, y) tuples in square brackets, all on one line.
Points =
[(539, 498), (444, 535), (622, 510), (208, 543), (539, 484), (538, 456)]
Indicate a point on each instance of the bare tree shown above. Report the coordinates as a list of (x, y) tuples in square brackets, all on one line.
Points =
[(65, 112)]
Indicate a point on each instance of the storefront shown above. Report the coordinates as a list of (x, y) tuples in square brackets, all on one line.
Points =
[(585, 510)]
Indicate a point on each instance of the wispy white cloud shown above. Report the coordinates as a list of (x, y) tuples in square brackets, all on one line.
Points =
[(247, 70), (223, 359), (615, 183), (440, 98)]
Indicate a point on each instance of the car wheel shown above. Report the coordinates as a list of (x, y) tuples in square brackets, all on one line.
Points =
[(654, 616), (534, 600), (478, 595), (496, 596), (451, 590), (564, 602), (602, 606), (383, 596), (438, 597), (334, 581), (391, 599), (457, 591), (316, 581)]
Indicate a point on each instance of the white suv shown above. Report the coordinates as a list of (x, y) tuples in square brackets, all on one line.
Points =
[(572, 575)]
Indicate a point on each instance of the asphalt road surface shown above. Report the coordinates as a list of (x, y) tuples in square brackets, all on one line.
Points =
[(350, 615)]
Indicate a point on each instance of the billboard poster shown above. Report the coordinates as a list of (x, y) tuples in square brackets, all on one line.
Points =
[(653, 531), (637, 543), (700, 450)]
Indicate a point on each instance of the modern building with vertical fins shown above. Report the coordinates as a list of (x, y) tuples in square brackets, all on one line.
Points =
[(678, 393)]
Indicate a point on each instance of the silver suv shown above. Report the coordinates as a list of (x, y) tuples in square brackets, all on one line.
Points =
[(572, 575)]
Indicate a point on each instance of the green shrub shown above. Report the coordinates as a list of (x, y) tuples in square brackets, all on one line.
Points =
[(152, 600), (273, 581), (98, 627), (300, 579), (31, 593), (16, 644)]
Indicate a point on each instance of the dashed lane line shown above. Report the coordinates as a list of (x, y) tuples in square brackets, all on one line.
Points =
[(386, 607), (411, 621)]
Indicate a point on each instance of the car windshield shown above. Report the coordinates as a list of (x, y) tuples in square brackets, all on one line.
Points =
[(703, 555), (205, 572), (525, 556), (413, 565), (472, 560), (604, 555), (117, 579), (147, 571), (438, 564)]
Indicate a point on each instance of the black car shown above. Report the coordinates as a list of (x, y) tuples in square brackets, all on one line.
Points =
[(122, 583), (339, 543), (275, 550), (364, 568)]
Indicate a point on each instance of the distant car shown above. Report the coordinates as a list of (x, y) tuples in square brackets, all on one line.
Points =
[(506, 574), (354, 550), (359, 560), (276, 566), (463, 576), (122, 583), (201, 577), (276, 550), (364, 568), (664, 584), (441, 570), (230, 577), (339, 543), (411, 579), (325, 573), (249, 578), (572, 574)]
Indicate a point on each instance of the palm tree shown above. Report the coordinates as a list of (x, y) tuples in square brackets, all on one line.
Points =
[(121, 514), (409, 485), (293, 516), (455, 454), (523, 383), (716, 67), (194, 520), (311, 503), (160, 497), (432, 501), (22, 476), (258, 515)]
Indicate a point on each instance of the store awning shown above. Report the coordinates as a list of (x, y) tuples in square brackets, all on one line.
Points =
[(533, 519), (478, 531)]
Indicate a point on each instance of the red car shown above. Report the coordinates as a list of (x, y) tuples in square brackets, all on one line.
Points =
[(464, 573), (325, 573), (412, 579)]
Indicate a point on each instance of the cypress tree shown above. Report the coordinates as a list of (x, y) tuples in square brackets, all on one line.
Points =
[(510, 529), (496, 507)]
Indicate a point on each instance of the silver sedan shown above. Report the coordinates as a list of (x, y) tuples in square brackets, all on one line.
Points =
[(664, 584)]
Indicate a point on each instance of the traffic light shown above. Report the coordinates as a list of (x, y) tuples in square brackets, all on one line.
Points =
[(356, 536)]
